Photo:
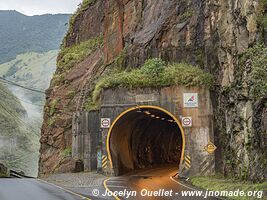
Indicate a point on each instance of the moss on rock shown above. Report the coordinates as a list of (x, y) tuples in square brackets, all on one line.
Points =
[(70, 56), (154, 73)]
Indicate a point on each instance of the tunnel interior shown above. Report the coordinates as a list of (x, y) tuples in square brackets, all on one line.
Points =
[(144, 138)]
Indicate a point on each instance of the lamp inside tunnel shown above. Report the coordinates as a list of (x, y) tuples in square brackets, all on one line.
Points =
[(144, 137)]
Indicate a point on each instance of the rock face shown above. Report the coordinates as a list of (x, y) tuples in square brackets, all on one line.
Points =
[(208, 33)]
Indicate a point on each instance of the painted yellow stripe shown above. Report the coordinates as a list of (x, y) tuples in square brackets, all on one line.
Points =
[(105, 185), (186, 160), (187, 165), (66, 190), (188, 157), (104, 162)]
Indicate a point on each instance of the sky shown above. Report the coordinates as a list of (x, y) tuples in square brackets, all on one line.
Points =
[(39, 7)]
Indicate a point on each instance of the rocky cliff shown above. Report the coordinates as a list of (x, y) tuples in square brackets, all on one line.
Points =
[(217, 35)]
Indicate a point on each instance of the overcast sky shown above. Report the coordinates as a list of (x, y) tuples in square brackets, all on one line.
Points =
[(39, 7)]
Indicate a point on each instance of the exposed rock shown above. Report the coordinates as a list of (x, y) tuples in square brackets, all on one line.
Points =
[(208, 33)]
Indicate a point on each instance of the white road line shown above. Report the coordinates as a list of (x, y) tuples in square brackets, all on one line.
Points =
[(182, 184), (66, 190), (116, 186), (189, 187)]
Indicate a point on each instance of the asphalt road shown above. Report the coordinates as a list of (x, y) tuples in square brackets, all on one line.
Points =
[(32, 189), (154, 183), (159, 181)]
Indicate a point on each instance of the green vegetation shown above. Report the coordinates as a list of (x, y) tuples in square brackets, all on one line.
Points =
[(256, 57), (76, 53), (154, 73), (53, 105), (71, 94), (24, 34), (262, 18), (51, 121), (66, 152), (220, 184), (186, 15), (19, 140), (31, 70), (3, 175)]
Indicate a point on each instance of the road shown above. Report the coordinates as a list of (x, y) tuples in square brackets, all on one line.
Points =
[(157, 180), (32, 189)]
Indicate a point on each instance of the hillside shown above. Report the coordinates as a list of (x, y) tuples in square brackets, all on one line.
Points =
[(224, 38), (31, 70), (19, 139), (28, 53), (20, 33)]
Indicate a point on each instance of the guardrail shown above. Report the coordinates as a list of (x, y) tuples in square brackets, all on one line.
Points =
[(15, 174), (6, 173)]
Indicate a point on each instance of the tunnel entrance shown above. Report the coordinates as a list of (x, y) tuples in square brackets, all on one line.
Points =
[(144, 137)]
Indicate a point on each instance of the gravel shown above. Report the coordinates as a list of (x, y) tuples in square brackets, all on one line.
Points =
[(77, 180)]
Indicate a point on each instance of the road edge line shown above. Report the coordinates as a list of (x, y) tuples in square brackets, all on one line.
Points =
[(182, 184), (64, 189), (105, 185), (189, 187)]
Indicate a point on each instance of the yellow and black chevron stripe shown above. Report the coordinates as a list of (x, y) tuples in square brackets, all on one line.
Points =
[(104, 162), (187, 161)]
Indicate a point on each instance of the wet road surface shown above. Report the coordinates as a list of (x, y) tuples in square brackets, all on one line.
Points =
[(155, 183), (32, 189)]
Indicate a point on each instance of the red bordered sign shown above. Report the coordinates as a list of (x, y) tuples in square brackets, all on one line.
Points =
[(186, 121), (105, 122)]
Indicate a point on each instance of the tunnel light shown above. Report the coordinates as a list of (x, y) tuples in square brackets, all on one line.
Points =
[(152, 116), (148, 113), (157, 117), (162, 119), (170, 120)]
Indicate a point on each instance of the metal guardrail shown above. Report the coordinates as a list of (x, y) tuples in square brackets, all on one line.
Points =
[(15, 174)]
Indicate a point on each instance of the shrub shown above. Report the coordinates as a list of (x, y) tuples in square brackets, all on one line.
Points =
[(53, 106), (154, 73), (66, 152), (257, 57), (262, 9), (68, 57)]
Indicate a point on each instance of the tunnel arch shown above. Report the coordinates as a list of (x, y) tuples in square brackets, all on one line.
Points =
[(145, 108)]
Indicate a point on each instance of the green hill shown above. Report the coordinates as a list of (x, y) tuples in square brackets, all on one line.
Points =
[(31, 70), (20, 33), (28, 53), (18, 140)]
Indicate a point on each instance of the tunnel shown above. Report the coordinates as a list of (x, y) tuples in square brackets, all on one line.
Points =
[(144, 137)]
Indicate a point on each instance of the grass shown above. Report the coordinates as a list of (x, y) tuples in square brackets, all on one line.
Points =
[(66, 152), (3, 175), (68, 57), (154, 73), (219, 184), (262, 18)]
